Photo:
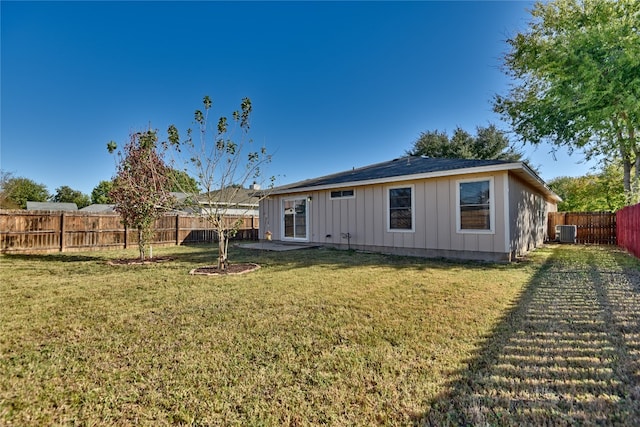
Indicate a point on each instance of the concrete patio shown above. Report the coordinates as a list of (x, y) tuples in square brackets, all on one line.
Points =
[(275, 246)]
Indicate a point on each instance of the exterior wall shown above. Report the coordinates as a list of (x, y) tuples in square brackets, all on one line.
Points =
[(528, 217), (364, 217)]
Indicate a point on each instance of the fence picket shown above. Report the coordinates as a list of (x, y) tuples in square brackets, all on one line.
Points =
[(591, 227), (629, 229), (44, 231)]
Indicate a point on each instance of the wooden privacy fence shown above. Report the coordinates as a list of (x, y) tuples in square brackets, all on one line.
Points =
[(629, 229), (591, 227), (39, 231)]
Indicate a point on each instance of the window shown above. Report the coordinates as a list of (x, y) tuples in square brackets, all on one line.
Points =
[(401, 209), (475, 205), (343, 194)]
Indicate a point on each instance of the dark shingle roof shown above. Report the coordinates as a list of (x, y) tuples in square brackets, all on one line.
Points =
[(415, 167), (403, 166)]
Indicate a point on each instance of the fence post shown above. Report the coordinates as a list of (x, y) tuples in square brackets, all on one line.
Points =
[(62, 232), (126, 232), (177, 229)]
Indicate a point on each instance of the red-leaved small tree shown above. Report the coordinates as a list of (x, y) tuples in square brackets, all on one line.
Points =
[(141, 186)]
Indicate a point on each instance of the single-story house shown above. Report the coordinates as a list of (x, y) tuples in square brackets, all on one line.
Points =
[(231, 201), (489, 210)]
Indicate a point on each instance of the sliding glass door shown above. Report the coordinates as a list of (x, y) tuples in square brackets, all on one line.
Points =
[(295, 218)]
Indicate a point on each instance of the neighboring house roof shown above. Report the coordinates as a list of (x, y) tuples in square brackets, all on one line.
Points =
[(231, 196), (51, 206), (101, 208), (180, 197), (416, 167)]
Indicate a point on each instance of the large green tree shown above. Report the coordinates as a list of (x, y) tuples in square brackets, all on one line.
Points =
[(100, 193), (602, 191), (141, 186), (16, 191), (181, 182), (488, 143), (66, 194), (576, 73)]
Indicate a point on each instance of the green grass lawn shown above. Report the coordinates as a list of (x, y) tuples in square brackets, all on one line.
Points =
[(314, 336)]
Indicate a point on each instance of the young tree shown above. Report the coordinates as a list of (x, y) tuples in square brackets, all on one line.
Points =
[(66, 194), (100, 193), (224, 166), (489, 143), (141, 187), (16, 191), (577, 71)]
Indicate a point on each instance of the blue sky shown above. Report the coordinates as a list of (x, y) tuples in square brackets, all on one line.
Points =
[(334, 85)]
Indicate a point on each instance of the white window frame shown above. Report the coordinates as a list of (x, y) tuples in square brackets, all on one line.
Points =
[(282, 220), (492, 206), (342, 197), (413, 209)]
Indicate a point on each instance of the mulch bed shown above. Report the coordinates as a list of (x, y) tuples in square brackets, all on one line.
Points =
[(209, 270), (137, 261), (212, 270)]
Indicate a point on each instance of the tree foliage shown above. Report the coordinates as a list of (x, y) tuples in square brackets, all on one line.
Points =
[(224, 162), (141, 186), (66, 194), (576, 72), (603, 191), (488, 143), (100, 193), (181, 182), (16, 191)]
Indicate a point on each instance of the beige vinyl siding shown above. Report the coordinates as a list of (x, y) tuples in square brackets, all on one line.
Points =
[(270, 217), (365, 218), (446, 220), (528, 220)]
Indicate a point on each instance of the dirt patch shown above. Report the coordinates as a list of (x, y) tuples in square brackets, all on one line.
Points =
[(232, 269), (137, 261)]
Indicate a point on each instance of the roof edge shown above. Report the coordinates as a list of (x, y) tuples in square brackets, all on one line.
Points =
[(513, 166)]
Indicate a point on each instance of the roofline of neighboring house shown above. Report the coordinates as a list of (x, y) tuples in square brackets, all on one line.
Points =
[(248, 204), (526, 173)]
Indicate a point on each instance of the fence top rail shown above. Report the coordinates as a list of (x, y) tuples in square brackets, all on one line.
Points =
[(583, 213), (24, 212), (20, 212)]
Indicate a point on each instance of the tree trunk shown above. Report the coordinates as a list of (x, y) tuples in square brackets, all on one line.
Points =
[(626, 165), (141, 243), (222, 250)]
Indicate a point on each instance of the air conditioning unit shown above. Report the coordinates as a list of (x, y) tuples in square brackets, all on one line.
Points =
[(566, 233)]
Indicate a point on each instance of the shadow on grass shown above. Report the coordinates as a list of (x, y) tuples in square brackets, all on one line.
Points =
[(568, 354), (55, 257), (200, 254), (343, 259)]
